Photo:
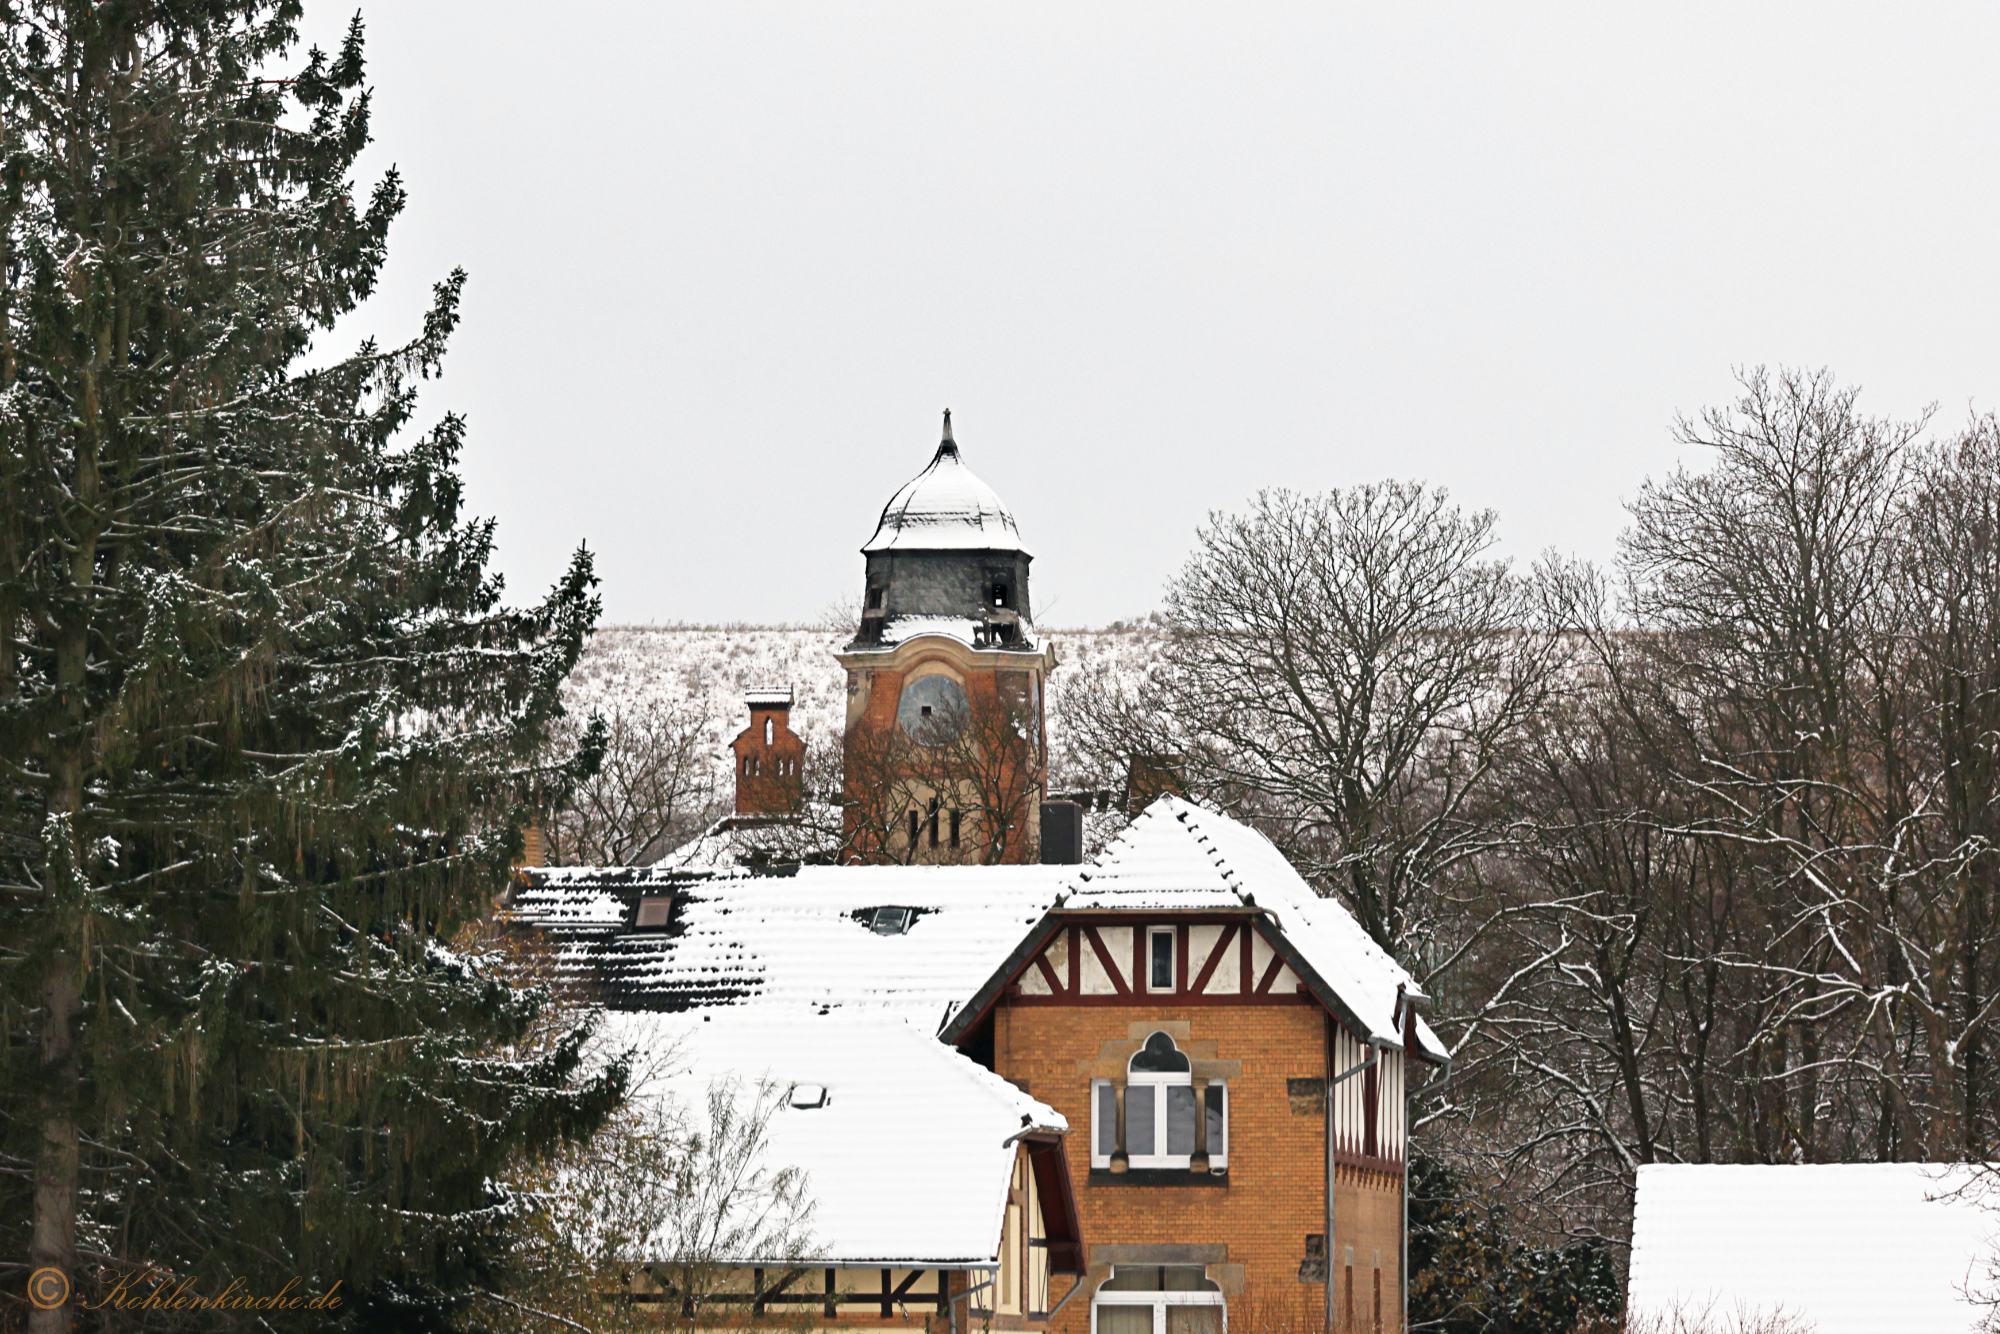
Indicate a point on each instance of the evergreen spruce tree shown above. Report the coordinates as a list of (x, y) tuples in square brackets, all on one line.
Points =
[(267, 731)]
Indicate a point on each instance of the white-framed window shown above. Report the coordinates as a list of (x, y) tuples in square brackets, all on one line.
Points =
[(1158, 1299), (1161, 1130), (1160, 953)]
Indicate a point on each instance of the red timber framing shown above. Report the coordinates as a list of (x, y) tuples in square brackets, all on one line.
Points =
[(1102, 960), (1061, 1226)]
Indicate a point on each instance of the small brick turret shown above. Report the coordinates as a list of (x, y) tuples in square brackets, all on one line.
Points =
[(769, 757)]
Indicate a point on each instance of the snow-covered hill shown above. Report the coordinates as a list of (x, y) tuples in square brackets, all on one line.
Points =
[(633, 668)]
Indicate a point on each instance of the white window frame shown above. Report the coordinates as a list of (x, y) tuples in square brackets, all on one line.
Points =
[(1172, 934), (1159, 1301), (1218, 1156)]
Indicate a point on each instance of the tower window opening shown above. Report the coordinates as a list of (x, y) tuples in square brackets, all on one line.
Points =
[(769, 731), (875, 598), (934, 821), (999, 594)]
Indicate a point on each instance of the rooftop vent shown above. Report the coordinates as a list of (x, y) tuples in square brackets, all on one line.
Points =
[(890, 921), (805, 1097), (653, 912)]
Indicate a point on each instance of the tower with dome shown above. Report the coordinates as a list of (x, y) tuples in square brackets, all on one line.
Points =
[(944, 754)]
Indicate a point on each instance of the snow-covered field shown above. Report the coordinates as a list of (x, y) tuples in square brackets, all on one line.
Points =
[(631, 668)]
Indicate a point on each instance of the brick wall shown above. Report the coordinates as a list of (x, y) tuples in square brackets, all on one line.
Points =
[(874, 691), (1276, 1192)]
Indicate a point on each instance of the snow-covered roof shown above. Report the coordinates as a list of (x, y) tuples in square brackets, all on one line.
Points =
[(572, 902), (768, 697), (801, 941), (946, 508), (1866, 1248), (1180, 857), (906, 1119)]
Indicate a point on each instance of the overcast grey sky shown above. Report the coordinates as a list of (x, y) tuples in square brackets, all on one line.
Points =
[(729, 260)]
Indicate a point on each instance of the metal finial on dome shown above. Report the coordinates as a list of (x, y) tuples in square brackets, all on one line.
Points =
[(945, 508)]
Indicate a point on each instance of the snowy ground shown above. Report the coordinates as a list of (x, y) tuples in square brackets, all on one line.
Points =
[(640, 667)]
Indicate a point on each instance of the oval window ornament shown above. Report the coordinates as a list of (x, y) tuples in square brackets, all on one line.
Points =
[(932, 710)]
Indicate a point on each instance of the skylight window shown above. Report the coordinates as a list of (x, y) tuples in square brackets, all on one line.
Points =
[(653, 912), (806, 1097), (890, 921)]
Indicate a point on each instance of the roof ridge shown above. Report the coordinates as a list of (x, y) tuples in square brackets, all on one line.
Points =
[(1230, 875)]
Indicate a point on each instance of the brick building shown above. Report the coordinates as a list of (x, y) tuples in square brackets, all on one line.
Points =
[(1239, 1050), (943, 753)]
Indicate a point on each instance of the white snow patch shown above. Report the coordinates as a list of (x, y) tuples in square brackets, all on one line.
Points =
[(905, 1119), (1864, 1248)]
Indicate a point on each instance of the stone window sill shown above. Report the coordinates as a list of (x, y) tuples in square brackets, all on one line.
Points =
[(1158, 1176)]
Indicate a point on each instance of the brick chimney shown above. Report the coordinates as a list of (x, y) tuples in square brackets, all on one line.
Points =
[(768, 757)]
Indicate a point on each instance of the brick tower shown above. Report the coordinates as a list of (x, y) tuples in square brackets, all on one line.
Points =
[(768, 757), (944, 760)]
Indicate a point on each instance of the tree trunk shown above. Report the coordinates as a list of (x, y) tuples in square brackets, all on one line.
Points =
[(53, 1245), (53, 1236)]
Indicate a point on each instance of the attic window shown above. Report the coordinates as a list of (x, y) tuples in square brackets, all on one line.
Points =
[(890, 921), (653, 912), (1160, 946), (805, 1097)]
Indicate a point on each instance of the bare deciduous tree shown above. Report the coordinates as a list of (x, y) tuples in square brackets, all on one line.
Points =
[(1746, 909), (1348, 668), (679, 1205), (657, 785)]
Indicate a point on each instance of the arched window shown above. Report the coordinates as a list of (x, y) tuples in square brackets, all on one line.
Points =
[(769, 731), (1162, 1129), (1158, 1299)]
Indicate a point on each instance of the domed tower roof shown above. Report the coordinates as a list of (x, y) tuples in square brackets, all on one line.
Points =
[(946, 508)]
